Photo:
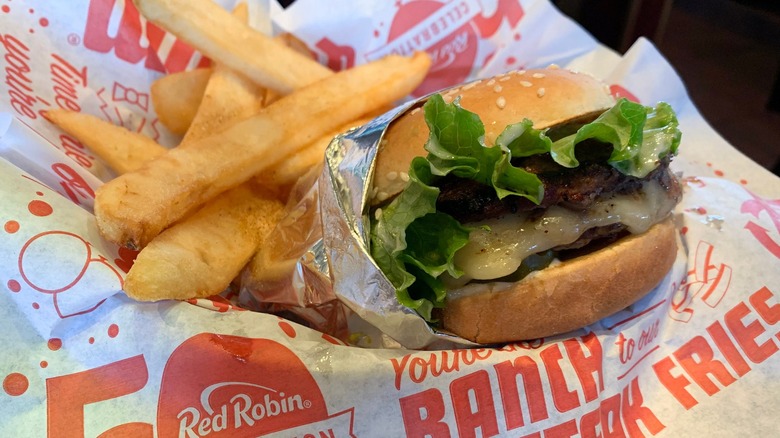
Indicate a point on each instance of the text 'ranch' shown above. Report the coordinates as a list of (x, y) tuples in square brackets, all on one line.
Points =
[(511, 394)]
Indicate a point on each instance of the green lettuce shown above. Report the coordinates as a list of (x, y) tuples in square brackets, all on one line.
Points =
[(456, 145), (413, 244), (639, 136)]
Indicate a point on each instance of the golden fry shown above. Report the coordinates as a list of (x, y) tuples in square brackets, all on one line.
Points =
[(176, 98), (295, 44), (123, 150), (275, 260), (228, 98), (201, 255), (312, 155), (208, 248), (228, 41), (137, 206)]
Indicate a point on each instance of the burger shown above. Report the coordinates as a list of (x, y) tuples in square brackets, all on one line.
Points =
[(525, 205)]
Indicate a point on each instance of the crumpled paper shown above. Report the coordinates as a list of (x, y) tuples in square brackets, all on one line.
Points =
[(80, 358)]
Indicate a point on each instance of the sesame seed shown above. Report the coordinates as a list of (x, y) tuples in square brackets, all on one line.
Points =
[(553, 67), (378, 213), (505, 78), (526, 84), (540, 92), (415, 111), (381, 196), (521, 72), (404, 176), (471, 85), (392, 176), (497, 88), (538, 75), (491, 82), (501, 102)]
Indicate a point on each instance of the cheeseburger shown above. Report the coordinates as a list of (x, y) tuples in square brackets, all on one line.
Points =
[(525, 205)]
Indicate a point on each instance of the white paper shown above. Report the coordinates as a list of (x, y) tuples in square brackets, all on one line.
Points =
[(80, 358)]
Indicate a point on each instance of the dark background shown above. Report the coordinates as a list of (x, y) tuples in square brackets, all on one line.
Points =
[(726, 51)]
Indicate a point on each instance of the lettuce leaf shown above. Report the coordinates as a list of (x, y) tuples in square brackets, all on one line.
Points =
[(414, 245), (639, 136), (456, 145)]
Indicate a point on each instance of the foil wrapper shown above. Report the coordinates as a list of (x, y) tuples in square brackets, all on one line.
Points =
[(289, 275), (333, 262)]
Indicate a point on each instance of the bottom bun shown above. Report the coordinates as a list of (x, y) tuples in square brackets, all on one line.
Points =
[(566, 296)]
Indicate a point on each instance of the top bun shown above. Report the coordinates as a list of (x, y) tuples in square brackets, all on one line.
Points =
[(549, 97)]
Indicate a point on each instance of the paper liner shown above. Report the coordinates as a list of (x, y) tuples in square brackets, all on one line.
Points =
[(697, 356)]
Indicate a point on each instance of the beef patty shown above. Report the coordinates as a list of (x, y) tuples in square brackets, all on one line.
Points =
[(572, 188)]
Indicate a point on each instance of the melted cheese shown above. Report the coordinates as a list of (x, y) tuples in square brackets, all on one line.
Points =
[(498, 247)]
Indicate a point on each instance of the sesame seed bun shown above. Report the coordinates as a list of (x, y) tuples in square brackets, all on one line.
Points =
[(568, 295), (548, 97)]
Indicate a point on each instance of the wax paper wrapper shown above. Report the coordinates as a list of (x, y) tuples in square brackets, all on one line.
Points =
[(697, 356)]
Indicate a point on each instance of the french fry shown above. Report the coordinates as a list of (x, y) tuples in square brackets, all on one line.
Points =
[(228, 41), (135, 207), (277, 257), (228, 98), (295, 166), (176, 98), (295, 44), (201, 255), (209, 248), (123, 150)]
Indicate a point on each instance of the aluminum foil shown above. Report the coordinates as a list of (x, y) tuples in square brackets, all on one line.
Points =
[(289, 275), (357, 281), (332, 260)]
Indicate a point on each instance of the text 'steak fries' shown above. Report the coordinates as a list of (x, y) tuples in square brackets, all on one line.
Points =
[(137, 206)]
